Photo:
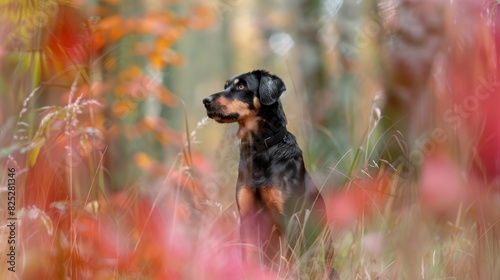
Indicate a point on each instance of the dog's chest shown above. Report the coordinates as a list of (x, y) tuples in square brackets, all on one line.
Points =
[(267, 169)]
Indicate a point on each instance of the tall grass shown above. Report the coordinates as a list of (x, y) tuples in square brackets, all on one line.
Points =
[(176, 218), (170, 230)]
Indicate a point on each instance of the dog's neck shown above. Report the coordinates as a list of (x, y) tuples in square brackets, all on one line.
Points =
[(248, 128), (268, 123)]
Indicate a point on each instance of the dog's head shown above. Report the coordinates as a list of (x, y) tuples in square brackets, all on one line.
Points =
[(244, 96)]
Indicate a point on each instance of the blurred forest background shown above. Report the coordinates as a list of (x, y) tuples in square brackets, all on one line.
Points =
[(120, 175)]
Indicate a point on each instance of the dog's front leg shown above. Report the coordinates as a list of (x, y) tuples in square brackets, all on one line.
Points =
[(247, 206)]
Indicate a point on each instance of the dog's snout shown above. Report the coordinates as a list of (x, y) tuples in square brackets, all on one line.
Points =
[(208, 100)]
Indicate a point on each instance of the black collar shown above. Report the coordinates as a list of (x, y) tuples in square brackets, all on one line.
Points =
[(261, 145)]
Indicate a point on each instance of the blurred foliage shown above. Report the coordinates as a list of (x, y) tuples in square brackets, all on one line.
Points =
[(119, 174)]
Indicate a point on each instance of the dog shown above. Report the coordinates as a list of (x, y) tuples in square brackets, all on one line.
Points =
[(275, 195)]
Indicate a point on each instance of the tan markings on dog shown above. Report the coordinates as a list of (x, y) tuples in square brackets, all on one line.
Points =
[(222, 101), (236, 81), (236, 106), (256, 103), (247, 125), (273, 198), (246, 200), (226, 84), (245, 197), (249, 122)]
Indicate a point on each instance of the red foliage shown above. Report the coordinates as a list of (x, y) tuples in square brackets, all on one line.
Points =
[(65, 166), (489, 146), (69, 37), (474, 84), (131, 236), (361, 198), (441, 187)]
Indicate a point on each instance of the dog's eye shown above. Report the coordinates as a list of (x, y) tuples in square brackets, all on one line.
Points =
[(240, 87)]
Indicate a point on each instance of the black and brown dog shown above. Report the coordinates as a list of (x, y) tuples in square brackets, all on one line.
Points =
[(275, 195)]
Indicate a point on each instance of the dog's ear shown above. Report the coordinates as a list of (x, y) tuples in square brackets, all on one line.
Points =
[(270, 88)]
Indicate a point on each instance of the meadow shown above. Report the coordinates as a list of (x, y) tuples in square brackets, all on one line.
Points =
[(110, 168)]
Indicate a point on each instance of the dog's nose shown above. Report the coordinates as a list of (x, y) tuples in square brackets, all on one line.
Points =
[(207, 100)]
